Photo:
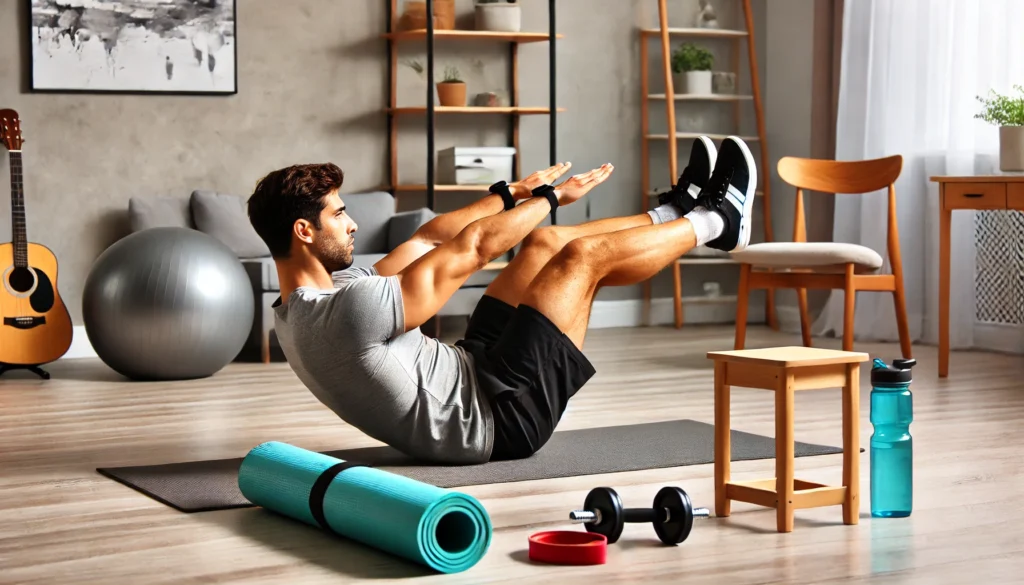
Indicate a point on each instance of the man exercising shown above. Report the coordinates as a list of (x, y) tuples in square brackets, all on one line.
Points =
[(350, 334)]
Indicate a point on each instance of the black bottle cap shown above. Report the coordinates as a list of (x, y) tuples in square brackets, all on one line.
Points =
[(898, 373)]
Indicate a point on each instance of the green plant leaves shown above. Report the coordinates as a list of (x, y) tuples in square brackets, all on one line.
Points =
[(1003, 110)]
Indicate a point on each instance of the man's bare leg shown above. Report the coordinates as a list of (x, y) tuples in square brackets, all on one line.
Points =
[(446, 226), (565, 287), (542, 244)]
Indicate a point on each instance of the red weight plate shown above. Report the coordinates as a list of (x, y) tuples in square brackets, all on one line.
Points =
[(564, 547)]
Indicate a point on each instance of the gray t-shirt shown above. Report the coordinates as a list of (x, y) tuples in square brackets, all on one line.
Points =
[(348, 346)]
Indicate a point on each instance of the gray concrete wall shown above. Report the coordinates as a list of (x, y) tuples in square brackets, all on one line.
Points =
[(312, 87), (789, 55)]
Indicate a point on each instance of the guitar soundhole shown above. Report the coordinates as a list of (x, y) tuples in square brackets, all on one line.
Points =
[(21, 280)]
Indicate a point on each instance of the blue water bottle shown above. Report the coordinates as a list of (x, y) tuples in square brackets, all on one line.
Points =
[(892, 454)]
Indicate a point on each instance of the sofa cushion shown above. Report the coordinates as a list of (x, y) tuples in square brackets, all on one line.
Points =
[(372, 213), (263, 272), (223, 216), (151, 212), (403, 225), (366, 260)]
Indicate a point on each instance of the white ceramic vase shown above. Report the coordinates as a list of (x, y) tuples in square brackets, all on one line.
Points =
[(1011, 148), (695, 82), (499, 17)]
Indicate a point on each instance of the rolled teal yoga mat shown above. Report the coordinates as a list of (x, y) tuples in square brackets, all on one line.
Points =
[(443, 529)]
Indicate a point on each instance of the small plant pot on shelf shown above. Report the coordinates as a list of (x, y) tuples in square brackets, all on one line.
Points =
[(1011, 148), (697, 82), (691, 69), (451, 93), (498, 15)]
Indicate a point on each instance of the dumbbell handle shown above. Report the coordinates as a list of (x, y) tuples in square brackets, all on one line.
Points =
[(630, 515), (642, 514), (648, 515)]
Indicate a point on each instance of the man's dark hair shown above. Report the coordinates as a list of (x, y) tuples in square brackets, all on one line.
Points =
[(287, 195)]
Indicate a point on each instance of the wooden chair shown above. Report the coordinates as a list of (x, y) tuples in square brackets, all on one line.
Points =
[(802, 265)]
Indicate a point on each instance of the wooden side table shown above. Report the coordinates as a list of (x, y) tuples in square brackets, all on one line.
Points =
[(982, 192), (786, 370)]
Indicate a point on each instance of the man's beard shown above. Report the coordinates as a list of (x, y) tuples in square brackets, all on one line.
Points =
[(334, 255)]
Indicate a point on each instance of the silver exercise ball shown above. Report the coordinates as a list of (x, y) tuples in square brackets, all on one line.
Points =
[(167, 303)]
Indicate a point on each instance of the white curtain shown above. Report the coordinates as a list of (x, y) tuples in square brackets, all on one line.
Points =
[(911, 71)]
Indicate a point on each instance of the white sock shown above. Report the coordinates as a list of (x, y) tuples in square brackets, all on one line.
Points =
[(707, 224), (664, 213)]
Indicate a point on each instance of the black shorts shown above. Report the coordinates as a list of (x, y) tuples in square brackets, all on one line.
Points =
[(528, 368)]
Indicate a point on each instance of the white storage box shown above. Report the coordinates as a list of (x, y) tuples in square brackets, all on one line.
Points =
[(479, 165)]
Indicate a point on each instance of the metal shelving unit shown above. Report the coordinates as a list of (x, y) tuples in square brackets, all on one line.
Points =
[(514, 110)]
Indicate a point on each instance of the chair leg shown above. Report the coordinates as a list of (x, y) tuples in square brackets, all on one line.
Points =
[(677, 294), (742, 302), (900, 300), (850, 303), (805, 316)]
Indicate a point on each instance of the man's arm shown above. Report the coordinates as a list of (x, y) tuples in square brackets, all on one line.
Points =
[(428, 282), (446, 226)]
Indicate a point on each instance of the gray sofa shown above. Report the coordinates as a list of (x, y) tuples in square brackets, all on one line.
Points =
[(223, 216)]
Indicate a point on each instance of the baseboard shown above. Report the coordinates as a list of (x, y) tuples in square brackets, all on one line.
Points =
[(605, 314), (789, 318), (80, 346), (999, 337), (629, 313)]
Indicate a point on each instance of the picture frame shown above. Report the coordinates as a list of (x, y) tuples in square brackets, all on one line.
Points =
[(175, 47)]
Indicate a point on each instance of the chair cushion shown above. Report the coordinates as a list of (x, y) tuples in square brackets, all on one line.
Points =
[(151, 212), (372, 213), (223, 216), (820, 256)]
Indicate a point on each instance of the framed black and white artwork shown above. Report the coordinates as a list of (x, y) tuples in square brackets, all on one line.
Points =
[(134, 46)]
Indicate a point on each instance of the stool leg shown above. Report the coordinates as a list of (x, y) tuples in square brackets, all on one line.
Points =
[(723, 446), (851, 444), (784, 453)]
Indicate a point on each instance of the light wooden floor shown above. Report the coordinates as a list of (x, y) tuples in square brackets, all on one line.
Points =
[(61, 522)]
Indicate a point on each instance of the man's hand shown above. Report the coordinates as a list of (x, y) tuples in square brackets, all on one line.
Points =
[(577, 186), (523, 189)]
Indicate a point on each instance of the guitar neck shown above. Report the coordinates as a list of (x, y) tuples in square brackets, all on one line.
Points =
[(18, 231)]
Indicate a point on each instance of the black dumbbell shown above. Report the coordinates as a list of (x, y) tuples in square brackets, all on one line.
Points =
[(672, 514)]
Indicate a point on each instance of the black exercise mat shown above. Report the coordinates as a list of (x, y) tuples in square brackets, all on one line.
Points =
[(200, 486)]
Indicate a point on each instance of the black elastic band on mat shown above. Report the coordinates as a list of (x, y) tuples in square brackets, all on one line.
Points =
[(316, 495), (502, 188)]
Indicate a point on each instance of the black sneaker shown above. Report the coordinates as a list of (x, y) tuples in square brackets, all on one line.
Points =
[(694, 178), (730, 191)]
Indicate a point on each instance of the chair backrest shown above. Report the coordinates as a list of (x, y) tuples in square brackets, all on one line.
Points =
[(831, 176)]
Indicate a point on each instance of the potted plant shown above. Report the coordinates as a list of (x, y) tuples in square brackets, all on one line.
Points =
[(451, 91), (498, 15), (1008, 113), (691, 69)]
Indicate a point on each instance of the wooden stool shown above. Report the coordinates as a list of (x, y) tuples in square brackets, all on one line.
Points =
[(786, 370)]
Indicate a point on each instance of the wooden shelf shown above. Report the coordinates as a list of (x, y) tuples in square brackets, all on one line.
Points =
[(470, 35), (714, 97), (692, 135), (471, 110), (445, 188), (698, 32)]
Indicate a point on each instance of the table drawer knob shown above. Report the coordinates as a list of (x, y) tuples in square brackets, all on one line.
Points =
[(973, 195)]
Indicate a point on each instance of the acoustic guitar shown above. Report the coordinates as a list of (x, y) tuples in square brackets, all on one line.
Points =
[(36, 326)]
